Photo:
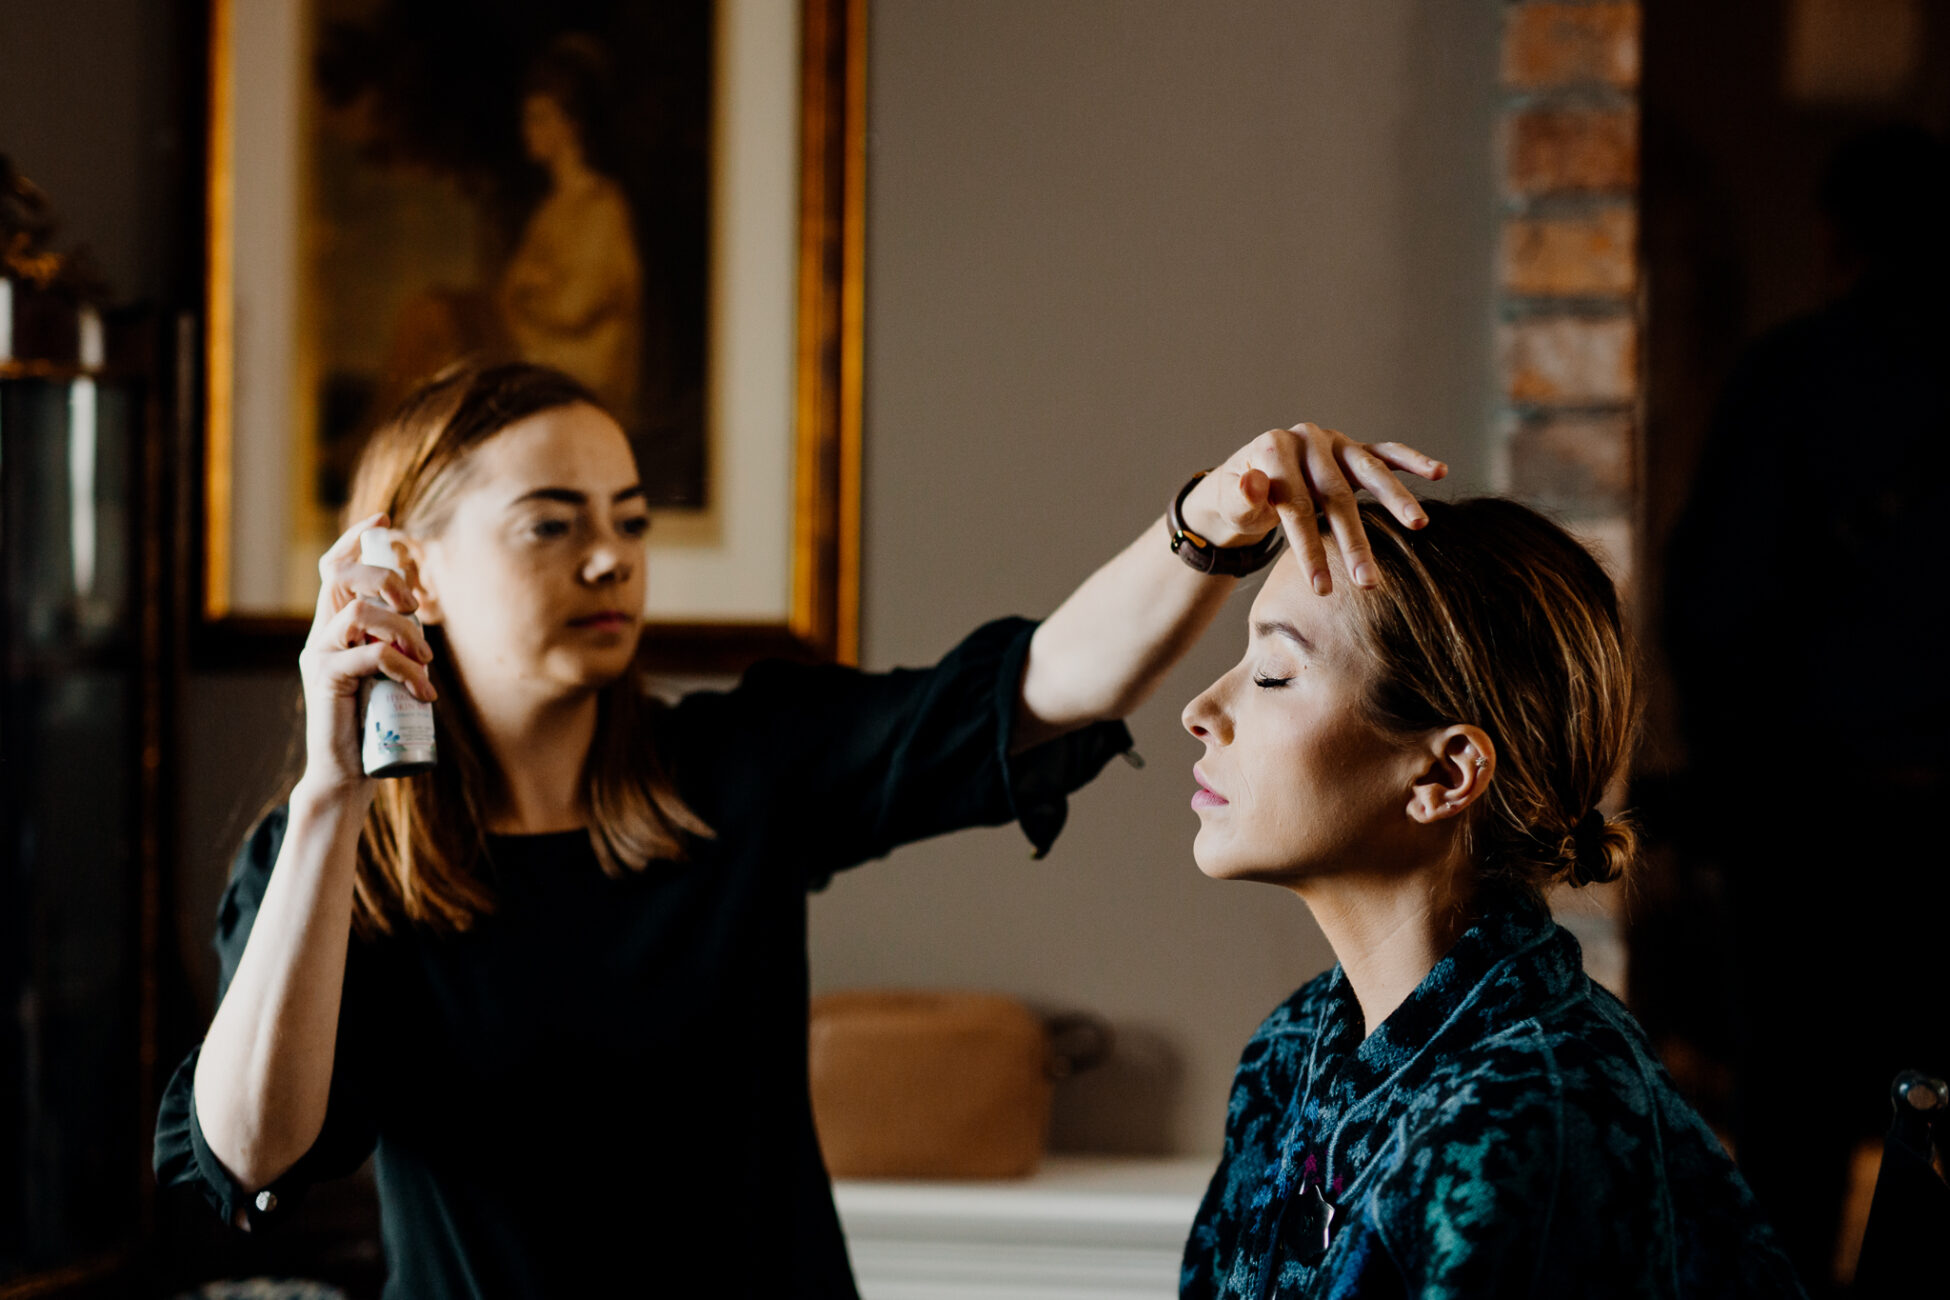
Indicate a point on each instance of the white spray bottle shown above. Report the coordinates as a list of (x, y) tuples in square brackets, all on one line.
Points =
[(396, 728)]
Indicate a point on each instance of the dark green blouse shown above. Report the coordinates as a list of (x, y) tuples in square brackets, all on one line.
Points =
[(601, 1087), (1506, 1131)]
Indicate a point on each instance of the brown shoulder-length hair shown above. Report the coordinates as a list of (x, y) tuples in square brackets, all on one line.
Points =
[(1496, 617), (421, 849)]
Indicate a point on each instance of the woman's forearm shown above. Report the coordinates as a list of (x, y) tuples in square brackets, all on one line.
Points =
[(1107, 647), (266, 1067)]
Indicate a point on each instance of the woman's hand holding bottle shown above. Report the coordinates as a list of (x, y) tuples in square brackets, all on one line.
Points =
[(355, 637)]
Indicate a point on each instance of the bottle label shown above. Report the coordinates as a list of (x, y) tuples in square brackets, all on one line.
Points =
[(399, 728)]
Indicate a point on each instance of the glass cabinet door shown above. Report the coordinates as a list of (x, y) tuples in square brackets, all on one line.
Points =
[(71, 1148)]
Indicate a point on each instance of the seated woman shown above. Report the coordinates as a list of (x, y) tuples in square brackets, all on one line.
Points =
[(1455, 1109)]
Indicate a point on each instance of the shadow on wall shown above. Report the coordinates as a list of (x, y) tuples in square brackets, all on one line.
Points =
[(1126, 1106)]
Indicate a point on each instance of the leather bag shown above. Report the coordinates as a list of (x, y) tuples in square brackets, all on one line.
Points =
[(939, 1084)]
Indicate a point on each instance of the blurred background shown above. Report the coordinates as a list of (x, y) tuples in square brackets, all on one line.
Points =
[(1672, 272)]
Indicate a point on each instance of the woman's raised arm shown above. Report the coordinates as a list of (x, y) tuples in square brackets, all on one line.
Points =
[(265, 1069), (1106, 647)]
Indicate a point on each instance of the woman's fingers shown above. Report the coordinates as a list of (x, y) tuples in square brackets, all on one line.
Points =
[(1365, 468), (1287, 490), (410, 673), (344, 670), (344, 578), (363, 639), (1403, 457), (362, 621), (1247, 505), (1303, 535), (340, 553), (1330, 490), (1286, 477), (348, 582), (396, 589)]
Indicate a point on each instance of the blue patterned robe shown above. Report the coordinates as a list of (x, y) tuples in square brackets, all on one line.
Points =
[(1507, 1131)]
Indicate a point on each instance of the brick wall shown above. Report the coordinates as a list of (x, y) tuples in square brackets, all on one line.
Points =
[(1569, 327), (1568, 275)]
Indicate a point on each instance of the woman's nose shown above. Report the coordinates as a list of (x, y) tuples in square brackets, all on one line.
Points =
[(1205, 719), (608, 562)]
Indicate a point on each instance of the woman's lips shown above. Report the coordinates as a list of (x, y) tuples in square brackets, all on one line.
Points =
[(1206, 797), (610, 622)]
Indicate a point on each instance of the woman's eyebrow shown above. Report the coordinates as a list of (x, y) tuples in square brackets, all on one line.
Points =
[(571, 497), (1279, 627)]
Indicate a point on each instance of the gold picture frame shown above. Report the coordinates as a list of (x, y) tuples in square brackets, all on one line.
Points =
[(804, 307)]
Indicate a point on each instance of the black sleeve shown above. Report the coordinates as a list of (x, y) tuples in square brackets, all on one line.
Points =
[(851, 764), (182, 1157)]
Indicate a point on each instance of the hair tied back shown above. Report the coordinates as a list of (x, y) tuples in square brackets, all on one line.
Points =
[(1590, 864)]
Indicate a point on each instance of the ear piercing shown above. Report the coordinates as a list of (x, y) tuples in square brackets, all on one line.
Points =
[(1481, 762)]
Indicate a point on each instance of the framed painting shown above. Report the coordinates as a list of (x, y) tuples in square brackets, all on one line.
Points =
[(663, 198)]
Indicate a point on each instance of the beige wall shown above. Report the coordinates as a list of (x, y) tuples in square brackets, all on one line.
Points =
[(1107, 243)]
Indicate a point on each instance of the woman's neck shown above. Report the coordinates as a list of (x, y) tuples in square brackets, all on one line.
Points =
[(541, 749), (1388, 931)]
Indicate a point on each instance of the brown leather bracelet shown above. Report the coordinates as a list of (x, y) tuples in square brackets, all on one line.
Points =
[(1225, 561)]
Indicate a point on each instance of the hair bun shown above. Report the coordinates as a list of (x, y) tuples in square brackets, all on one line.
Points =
[(1598, 850)]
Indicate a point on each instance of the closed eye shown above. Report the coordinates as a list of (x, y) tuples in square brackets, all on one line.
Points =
[(1270, 682), (636, 527), (550, 528)]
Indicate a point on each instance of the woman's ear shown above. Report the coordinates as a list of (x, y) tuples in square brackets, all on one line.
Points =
[(417, 577), (1461, 765)]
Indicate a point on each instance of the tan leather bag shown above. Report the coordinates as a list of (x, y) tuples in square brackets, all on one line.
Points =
[(937, 1085)]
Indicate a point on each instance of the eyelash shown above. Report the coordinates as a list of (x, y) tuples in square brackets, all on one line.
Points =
[(1270, 682)]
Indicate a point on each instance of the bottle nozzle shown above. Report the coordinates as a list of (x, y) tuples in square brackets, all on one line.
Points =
[(376, 548)]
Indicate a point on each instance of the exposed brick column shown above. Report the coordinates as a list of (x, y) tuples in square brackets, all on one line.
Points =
[(1568, 302), (1568, 334)]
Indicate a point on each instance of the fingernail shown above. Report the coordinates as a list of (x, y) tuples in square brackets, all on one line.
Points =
[(1322, 584), (1417, 520), (1364, 573)]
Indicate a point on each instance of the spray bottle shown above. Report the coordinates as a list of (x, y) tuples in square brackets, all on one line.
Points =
[(396, 728)]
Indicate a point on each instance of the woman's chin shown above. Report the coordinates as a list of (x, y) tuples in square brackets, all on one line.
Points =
[(595, 666), (1209, 851), (1218, 859)]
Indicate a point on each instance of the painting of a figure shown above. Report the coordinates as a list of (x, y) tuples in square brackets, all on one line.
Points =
[(510, 179), (664, 198)]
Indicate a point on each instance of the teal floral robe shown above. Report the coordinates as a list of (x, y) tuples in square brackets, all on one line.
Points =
[(1507, 1131)]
